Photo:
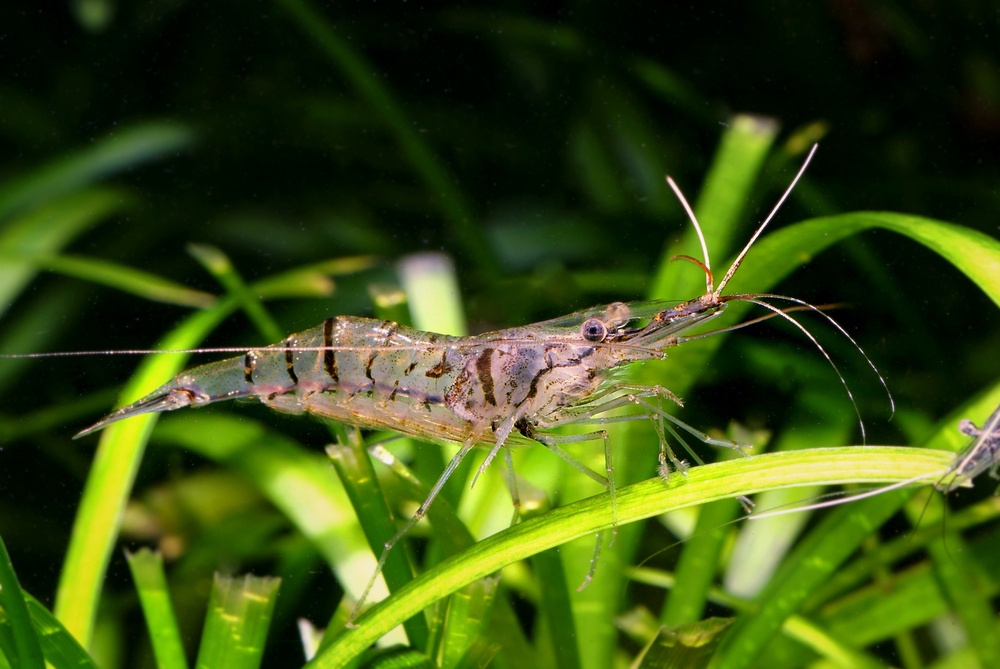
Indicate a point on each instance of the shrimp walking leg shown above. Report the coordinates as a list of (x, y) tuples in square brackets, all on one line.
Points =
[(510, 479), (640, 396), (552, 441), (408, 525)]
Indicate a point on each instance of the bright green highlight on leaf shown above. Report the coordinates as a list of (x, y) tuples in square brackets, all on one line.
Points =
[(239, 615), (151, 583), (702, 484)]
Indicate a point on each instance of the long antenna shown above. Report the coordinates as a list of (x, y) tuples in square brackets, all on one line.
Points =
[(697, 228), (746, 249)]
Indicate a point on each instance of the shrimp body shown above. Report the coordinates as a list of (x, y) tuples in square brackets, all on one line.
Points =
[(379, 374), (979, 456), (497, 389)]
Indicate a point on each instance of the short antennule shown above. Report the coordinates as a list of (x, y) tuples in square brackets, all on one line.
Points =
[(703, 266)]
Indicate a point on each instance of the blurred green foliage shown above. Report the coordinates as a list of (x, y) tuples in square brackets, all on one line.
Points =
[(528, 144)]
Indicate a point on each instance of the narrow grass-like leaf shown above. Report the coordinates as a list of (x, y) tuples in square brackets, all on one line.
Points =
[(806, 635), (221, 267), (27, 646), (357, 475), (636, 164), (974, 254), (597, 171), (311, 280), (961, 581), (151, 582), (8, 645), (505, 629), (479, 654), (761, 547), (854, 575), (60, 648), (873, 613), (450, 536), (812, 564), (469, 612), (94, 16), (721, 480), (298, 482), (46, 230), (524, 29), (110, 481), (126, 279), (688, 646), (556, 605), (432, 290), (32, 330), (869, 615), (556, 36), (699, 563), (830, 543), (239, 614), (671, 87), (121, 150), (819, 639), (395, 657)]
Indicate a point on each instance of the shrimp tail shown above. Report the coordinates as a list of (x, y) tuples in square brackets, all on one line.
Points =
[(166, 398), (223, 380)]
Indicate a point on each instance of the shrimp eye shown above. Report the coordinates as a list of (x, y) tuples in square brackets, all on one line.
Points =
[(594, 330)]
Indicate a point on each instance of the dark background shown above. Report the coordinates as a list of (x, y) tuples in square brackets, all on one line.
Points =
[(548, 132)]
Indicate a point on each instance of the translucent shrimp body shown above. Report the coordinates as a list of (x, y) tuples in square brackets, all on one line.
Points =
[(485, 389), (496, 389), (379, 374)]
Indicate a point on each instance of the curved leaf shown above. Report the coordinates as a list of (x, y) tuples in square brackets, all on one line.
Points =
[(119, 151), (717, 481)]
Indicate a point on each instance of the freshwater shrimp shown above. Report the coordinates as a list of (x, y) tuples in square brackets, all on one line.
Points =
[(980, 455), (489, 389), (496, 389)]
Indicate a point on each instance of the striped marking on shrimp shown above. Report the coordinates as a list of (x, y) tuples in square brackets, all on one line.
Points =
[(249, 365), (484, 371), (329, 354), (291, 343)]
